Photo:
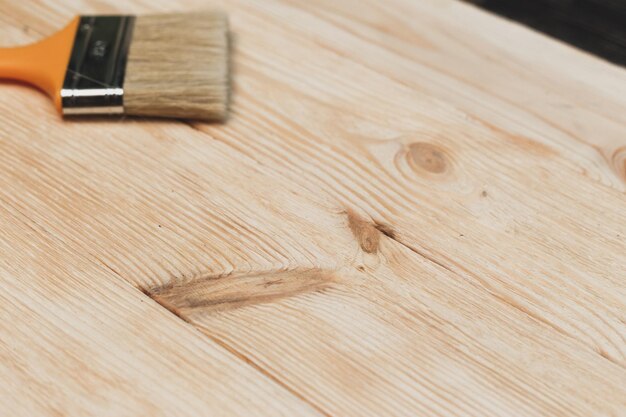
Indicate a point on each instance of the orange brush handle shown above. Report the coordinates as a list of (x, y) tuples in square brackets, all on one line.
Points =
[(42, 64)]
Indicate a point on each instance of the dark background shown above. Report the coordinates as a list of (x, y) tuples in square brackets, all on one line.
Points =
[(597, 26)]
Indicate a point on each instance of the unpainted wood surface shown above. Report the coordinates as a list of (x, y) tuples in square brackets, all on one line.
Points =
[(416, 208)]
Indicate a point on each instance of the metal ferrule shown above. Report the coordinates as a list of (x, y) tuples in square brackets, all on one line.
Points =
[(94, 81)]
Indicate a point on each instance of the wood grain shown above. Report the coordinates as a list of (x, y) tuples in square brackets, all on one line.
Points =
[(404, 216), (75, 339)]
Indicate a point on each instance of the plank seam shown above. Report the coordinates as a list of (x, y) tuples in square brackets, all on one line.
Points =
[(509, 303), (234, 352), (257, 367), (238, 355)]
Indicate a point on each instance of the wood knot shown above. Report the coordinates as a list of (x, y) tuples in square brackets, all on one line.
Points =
[(364, 231), (367, 232), (213, 293), (619, 162), (428, 157)]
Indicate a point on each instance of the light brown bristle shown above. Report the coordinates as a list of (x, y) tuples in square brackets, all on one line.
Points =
[(178, 66)]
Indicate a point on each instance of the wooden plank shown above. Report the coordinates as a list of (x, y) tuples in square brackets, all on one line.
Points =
[(408, 337), (376, 230), (431, 173), (524, 90), (77, 340)]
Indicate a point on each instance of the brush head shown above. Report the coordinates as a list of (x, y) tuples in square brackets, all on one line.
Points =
[(178, 66)]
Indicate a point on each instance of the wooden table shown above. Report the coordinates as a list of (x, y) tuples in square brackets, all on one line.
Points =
[(416, 208)]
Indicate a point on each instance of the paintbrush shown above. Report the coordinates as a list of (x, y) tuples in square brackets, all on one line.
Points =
[(169, 65)]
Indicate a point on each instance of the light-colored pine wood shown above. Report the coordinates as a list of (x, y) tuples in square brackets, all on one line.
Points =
[(78, 340), (416, 209)]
